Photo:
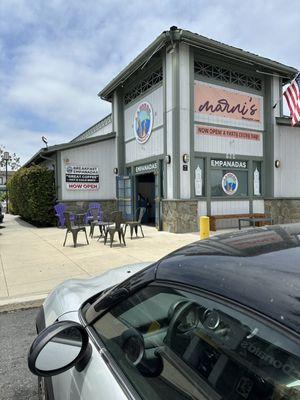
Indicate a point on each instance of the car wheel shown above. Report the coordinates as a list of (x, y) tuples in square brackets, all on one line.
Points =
[(42, 394)]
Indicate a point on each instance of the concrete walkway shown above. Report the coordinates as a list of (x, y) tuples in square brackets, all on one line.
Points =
[(33, 260)]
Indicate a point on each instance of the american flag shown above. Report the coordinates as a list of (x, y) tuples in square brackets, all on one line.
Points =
[(292, 96)]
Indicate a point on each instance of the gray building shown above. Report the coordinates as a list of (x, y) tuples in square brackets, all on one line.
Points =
[(192, 132)]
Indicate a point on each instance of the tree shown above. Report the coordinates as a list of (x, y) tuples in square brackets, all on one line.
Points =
[(13, 162)]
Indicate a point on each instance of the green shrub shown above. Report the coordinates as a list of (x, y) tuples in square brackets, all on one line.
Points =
[(2, 196), (32, 195)]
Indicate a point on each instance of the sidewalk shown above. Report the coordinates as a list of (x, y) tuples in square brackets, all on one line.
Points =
[(33, 260)]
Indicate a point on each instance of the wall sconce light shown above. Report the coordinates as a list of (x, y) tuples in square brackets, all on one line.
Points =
[(185, 158), (116, 171), (168, 159), (277, 163)]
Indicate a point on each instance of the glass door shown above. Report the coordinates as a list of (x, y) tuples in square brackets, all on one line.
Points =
[(125, 196)]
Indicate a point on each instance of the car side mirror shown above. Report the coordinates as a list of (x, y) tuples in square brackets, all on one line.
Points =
[(58, 348)]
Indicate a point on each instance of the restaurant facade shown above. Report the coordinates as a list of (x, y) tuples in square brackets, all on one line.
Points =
[(193, 131)]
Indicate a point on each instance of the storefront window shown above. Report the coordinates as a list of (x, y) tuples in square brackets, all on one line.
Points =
[(199, 177), (229, 183)]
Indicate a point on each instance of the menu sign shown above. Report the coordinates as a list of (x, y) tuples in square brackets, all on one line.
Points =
[(81, 177), (223, 102)]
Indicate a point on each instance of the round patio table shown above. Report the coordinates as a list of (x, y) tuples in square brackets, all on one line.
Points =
[(102, 227)]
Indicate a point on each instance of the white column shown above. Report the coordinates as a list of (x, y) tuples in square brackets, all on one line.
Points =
[(184, 114), (275, 93), (169, 122)]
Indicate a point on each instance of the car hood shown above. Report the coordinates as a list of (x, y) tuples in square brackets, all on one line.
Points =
[(69, 295)]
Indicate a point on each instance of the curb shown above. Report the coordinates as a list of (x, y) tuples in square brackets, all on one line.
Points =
[(21, 303)]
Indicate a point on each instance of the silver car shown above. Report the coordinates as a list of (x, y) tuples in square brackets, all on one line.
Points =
[(218, 319)]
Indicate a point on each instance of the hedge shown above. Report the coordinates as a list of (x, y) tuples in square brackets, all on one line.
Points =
[(32, 195)]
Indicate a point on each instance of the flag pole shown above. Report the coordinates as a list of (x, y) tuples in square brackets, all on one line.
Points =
[(274, 106)]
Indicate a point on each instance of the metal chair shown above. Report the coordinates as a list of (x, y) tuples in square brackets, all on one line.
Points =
[(97, 220), (138, 223), (74, 226), (117, 219)]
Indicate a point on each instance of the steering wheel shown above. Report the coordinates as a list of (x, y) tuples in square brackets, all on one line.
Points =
[(133, 347), (184, 320), (132, 344)]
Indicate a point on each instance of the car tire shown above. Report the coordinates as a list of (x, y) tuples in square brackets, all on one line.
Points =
[(42, 393)]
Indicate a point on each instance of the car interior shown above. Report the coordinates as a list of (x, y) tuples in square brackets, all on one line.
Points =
[(173, 344)]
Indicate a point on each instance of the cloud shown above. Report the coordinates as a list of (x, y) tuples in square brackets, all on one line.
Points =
[(55, 56)]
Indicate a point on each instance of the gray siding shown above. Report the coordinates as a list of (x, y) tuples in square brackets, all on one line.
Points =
[(135, 151), (287, 176), (153, 147), (101, 155)]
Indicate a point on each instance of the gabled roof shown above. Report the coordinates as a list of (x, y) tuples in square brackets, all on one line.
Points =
[(176, 35), (94, 128), (48, 151)]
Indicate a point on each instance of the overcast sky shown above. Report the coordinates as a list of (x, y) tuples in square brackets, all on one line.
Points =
[(56, 55)]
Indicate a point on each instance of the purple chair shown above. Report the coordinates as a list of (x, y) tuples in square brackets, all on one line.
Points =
[(90, 215), (60, 208)]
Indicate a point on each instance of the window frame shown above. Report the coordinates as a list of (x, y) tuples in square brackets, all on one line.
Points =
[(225, 170), (115, 369)]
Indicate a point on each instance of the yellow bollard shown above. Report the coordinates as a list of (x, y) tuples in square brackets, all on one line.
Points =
[(204, 227)]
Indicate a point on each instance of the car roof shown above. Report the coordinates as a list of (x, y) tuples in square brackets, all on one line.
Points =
[(259, 268)]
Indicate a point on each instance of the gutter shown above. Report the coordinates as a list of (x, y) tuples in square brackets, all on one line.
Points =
[(69, 145), (236, 53)]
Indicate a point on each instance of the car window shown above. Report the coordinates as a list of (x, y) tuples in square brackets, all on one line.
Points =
[(173, 344)]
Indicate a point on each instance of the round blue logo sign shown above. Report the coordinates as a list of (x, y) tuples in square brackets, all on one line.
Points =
[(143, 121), (230, 183)]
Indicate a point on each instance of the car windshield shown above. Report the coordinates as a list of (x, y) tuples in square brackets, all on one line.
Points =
[(174, 344)]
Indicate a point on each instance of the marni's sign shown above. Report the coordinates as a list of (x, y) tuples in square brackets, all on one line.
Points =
[(219, 101), (81, 177)]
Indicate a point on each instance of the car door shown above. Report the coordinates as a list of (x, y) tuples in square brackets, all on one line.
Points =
[(170, 342), (94, 382)]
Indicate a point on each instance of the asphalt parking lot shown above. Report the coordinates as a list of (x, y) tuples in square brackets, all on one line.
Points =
[(17, 331)]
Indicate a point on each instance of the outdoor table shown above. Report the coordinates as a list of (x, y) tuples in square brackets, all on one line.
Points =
[(254, 220), (102, 227)]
